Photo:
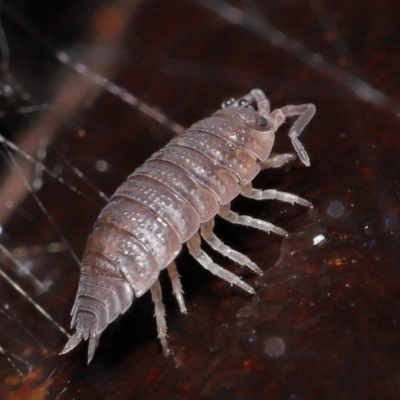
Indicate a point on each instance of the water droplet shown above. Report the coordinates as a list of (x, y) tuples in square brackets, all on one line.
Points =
[(102, 166), (274, 347), (335, 209)]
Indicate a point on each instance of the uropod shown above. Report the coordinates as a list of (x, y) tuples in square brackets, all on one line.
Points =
[(172, 200)]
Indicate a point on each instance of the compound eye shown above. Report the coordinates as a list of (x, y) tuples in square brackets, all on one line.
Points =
[(243, 103), (228, 103), (262, 121)]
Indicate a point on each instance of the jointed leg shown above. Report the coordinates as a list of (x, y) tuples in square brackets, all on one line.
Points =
[(305, 112), (272, 194), (159, 313), (208, 235), (277, 160), (195, 250), (226, 213), (176, 286)]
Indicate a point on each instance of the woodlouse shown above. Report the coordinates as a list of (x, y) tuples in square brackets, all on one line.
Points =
[(172, 199)]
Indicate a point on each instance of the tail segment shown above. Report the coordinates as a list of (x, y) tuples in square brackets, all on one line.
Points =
[(102, 296)]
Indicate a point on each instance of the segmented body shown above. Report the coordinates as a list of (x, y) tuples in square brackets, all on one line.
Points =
[(170, 199)]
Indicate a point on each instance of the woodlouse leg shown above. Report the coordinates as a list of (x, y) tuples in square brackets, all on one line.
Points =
[(226, 213), (272, 194), (205, 261), (176, 286), (159, 313), (305, 112), (277, 160), (208, 235)]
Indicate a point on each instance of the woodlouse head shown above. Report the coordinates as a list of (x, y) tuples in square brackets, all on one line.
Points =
[(242, 111)]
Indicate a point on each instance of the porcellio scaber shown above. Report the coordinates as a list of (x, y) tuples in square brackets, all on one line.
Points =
[(172, 199)]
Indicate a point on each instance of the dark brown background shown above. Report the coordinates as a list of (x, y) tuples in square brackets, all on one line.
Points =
[(333, 306)]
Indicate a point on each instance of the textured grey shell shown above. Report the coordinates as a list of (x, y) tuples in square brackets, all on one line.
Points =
[(160, 206)]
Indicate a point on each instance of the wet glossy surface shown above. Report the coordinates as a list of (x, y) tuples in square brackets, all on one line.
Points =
[(325, 321)]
